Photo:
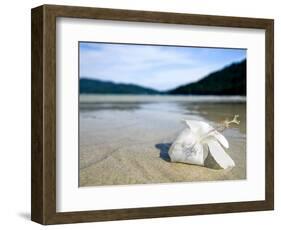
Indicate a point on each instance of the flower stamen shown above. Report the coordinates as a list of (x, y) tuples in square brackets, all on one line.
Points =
[(226, 123)]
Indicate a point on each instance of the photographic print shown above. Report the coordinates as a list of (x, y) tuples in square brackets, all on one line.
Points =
[(161, 114), (173, 110)]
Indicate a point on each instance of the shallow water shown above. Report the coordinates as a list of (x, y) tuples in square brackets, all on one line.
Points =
[(125, 139)]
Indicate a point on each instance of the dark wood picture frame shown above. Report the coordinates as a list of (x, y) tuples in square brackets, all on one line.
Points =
[(43, 160)]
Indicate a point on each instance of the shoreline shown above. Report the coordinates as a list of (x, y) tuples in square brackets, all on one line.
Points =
[(103, 98)]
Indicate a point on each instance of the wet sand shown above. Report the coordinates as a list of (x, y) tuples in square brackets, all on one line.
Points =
[(125, 139)]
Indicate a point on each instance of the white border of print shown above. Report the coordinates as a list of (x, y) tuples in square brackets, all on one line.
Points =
[(72, 198)]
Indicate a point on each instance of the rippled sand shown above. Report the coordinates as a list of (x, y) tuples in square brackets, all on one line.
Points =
[(125, 139)]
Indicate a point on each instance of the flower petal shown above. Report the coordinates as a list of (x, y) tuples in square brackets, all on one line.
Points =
[(191, 155), (220, 138), (200, 128), (205, 152), (220, 156)]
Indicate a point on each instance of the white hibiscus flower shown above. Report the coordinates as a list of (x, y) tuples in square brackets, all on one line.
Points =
[(194, 144)]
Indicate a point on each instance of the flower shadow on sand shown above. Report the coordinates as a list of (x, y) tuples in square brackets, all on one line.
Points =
[(164, 155), (164, 149)]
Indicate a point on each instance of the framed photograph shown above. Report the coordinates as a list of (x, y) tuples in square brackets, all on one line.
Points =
[(140, 114)]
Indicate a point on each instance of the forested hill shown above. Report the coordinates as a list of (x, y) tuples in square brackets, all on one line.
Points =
[(93, 86), (230, 80)]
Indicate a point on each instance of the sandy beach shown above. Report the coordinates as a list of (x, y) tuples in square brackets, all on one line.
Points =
[(125, 139)]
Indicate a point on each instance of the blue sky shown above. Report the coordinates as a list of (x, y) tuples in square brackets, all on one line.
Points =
[(158, 67)]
